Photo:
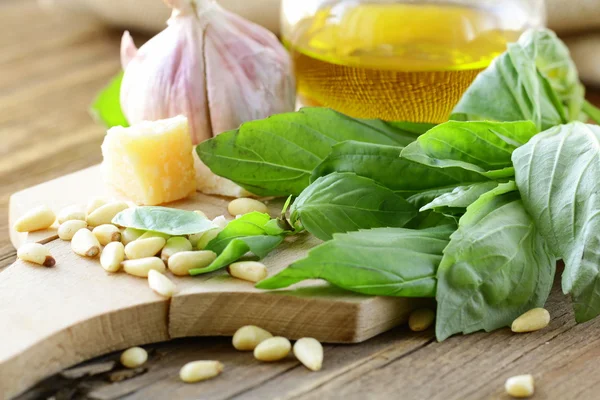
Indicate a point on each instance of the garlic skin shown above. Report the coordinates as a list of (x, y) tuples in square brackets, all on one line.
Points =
[(214, 67)]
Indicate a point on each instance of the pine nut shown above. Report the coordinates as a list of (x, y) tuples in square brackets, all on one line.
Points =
[(251, 271), (200, 240), (35, 219), (533, 320), (421, 319), (70, 213), (201, 213), (134, 357), (85, 243), (309, 352), (104, 214), (272, 349), (180, 263), (197, 371), (248, 337), (143, 248), (150, 234), (94, 204), (36, 253), (245, 205), (520, 386), (175, 245), (161, 284), (128, 235), (141, 266), (112, 256), (67, 229), (220, 221), (107, 233)]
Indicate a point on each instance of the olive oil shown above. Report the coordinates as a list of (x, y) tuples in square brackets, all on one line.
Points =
[(394, 61)]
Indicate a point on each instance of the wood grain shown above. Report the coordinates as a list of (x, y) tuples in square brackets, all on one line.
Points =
[(46, 132)]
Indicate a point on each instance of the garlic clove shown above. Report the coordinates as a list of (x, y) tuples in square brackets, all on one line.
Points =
[(128, 49)]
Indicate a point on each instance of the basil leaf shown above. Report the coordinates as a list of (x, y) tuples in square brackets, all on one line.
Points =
[(513, 89), (276, 156), (106, 107), (383, 164), (487, 145), (382, 261), (496, 267), (251, 224), (342, 202), (557, 174), (165, 220), (460, 197), (431, 219), (238, 247)]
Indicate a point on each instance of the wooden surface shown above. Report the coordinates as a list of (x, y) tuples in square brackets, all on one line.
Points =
[(50, 68)]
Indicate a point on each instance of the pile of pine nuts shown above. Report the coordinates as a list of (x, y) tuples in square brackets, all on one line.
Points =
[(139, 253), (265, 346)]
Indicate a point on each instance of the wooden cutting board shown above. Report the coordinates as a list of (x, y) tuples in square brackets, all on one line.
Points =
[(53, 318)]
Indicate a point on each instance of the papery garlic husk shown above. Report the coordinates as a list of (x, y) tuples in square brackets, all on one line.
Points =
[(214, 67)]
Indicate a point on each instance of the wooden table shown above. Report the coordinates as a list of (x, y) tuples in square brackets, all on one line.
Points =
[(50, 68)]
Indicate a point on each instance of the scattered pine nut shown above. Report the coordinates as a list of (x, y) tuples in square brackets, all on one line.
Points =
[(93, 204), (161, 284), (175, 245), (533, 320), (104, 214), (520, 386), (143, 248), (35, 219), (134, 357), (245, 205), (85, 243), (150, 234), (112, 256), (107, 233), (197, 371), (251, 271), (272, 349), (141, 266), (71, 213), (309, 352), (220, 221), (248, 337), (201, 213), (180, 263), (66, 230), (36, 253), (421, 319), (200, 240), (128, 235)]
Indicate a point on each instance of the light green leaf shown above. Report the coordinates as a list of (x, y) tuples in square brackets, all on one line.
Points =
[(165, 220), (496, 267), (557, 173), (381, 261), (106, 107), (343, 202), (276, 156), (460, 197)]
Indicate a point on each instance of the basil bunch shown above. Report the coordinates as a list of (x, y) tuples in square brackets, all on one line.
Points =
[(474, 212)]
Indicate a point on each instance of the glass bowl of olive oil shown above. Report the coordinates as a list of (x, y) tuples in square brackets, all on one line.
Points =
[(398, 60)]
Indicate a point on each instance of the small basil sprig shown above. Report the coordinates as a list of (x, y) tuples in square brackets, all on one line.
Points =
[(381, 261), (169, 221)]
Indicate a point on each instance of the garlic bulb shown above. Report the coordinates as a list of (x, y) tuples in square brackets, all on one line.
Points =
[(212, 66)]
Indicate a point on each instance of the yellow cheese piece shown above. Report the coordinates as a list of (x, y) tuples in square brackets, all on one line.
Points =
[(150, 162)]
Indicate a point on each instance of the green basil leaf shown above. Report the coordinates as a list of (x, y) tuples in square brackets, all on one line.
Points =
[(236, 248), (557, 173), (431, 219), (343, 202), (460, 197), (496, 267), (106, 107), (276, 156), (165, 220), (383, 164), (488, 145), (381, 261), (251, 224), (512, 88)]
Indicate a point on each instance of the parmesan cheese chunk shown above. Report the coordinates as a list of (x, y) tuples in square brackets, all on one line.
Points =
[(150, 162)]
